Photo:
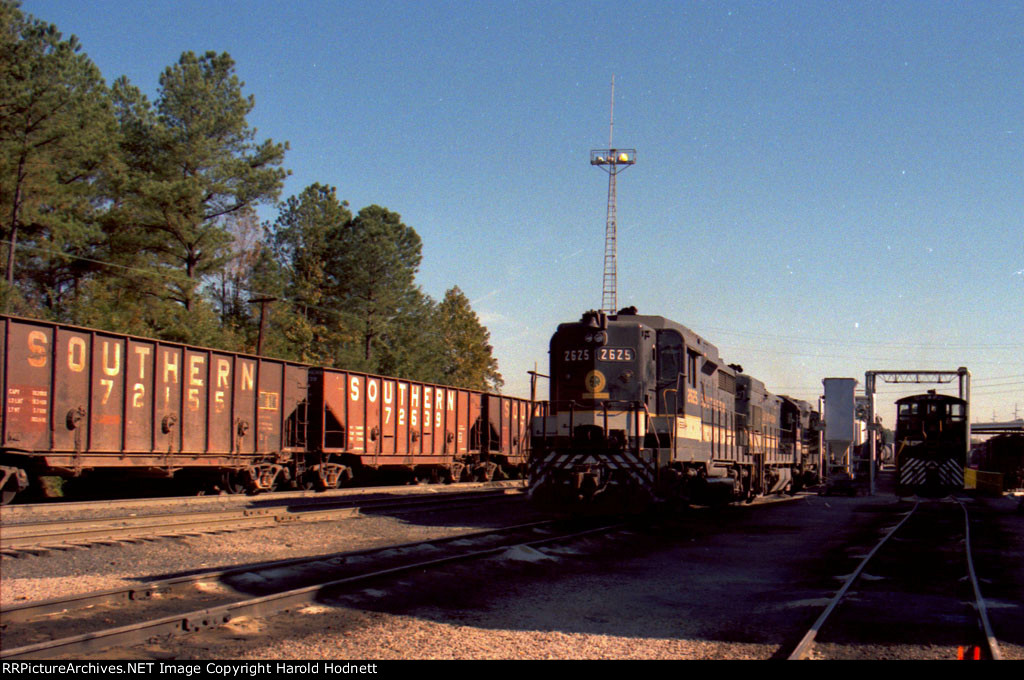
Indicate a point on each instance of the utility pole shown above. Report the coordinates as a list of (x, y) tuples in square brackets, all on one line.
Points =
[(263, 320)]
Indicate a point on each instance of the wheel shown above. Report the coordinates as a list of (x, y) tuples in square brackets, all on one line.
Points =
[(7, 495), (230, 483)]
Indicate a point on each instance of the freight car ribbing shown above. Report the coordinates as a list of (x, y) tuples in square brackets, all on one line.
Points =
[(77, 400)]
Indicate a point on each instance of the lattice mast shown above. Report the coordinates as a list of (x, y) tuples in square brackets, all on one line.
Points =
[(613, 161)]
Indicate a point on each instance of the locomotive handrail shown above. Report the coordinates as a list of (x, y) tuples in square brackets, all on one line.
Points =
[(623, 406), (570, 405)]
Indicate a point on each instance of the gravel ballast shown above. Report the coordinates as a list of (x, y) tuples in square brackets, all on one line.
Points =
[(739, 583)]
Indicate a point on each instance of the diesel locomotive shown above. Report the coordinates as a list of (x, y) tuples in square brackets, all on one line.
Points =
[(643, 409), (930, 444), (85, 403)]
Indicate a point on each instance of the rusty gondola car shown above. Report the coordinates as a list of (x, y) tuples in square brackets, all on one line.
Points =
[(80, 400)]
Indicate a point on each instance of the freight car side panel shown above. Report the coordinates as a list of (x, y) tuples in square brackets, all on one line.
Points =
[(219, 412), (167, 420), (27, 389), (437, 412), (138, 418), (243, 398), (445, 403), (372, 417), (107, 403), (402, 418), (429, 444), (295, 401), (387, 417), (472, 420), (270, 382), (382, 417), (193, 416), (415, 419), (343, 395), (72, 377), (3, 380), (459, 418), (495, 437), (520, 420)]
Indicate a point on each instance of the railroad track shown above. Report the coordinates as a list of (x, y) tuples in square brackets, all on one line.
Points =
[(30, 512), (917, 594), (71, 627), (33, 537)]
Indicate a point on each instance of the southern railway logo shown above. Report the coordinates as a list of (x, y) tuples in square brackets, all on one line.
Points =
[(594, 383)]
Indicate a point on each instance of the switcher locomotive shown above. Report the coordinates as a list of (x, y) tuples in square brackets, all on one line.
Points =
[(644, 409), (931, 444)]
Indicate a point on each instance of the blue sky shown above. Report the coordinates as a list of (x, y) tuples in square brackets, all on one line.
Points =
[(821, 189)]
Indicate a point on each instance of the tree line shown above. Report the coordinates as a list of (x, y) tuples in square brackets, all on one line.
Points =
[(140, 217)]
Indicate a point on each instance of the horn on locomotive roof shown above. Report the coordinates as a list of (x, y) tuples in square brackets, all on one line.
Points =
[(595, 319)]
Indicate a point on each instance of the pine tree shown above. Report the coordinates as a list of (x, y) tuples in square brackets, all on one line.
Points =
[(192, 164), (468, 360), (57, 141), (371, 279), (308, 229)]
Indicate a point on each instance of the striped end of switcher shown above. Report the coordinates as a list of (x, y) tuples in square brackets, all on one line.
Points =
[(918, 472)]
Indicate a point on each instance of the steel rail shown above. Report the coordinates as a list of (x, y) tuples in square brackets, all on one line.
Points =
[(993, 645), (64, 534), (260, 606), (11, 514), (807, 642), (147, 590)]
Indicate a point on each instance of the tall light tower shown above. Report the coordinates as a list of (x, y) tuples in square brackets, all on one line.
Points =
[(613, 161)]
